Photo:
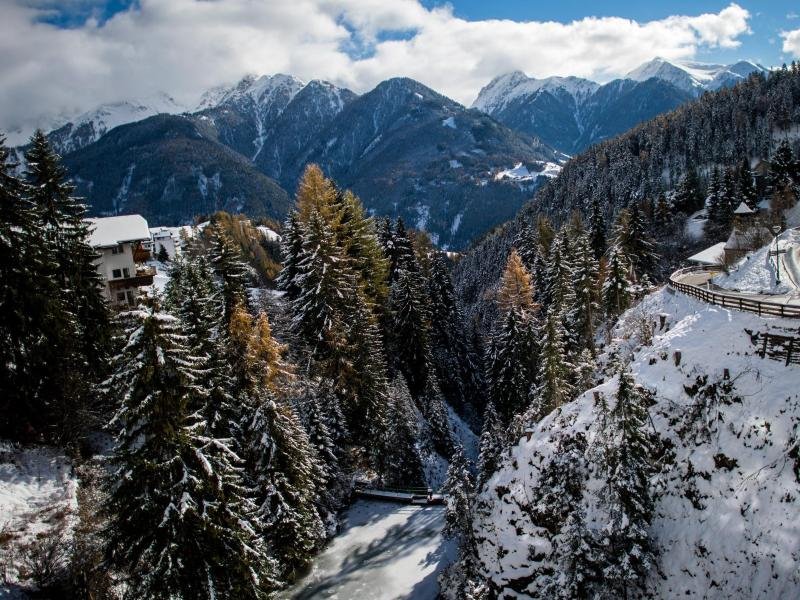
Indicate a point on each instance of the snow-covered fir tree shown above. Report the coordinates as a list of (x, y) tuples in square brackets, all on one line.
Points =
[(552, 387), (454, 358), (24, 309), (633, 240), (583, 312), (511, 359), (491, 444), (628, 552), (233, 273), (401, 465), (77, 346), (459, 581), (616, 286), (288, 478), (597, 230), (409, 328), (180, 524)]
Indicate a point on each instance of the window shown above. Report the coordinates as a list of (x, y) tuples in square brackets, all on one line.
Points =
[(116, 274), (120, 296), (126, 272), (118, 249), (131, 299)]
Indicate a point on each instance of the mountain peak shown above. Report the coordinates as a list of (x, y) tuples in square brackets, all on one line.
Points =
[(505, 88)]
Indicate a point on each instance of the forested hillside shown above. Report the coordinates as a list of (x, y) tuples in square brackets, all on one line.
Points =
[(672, 157)]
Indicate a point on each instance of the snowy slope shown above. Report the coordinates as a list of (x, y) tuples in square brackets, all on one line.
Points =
[(755, 273), (728, 505), (37, 494)]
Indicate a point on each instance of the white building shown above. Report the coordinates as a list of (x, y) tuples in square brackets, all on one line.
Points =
[(121, 243), (164, 237)]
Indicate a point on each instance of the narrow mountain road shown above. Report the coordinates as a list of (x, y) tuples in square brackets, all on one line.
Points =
[(385, 551)]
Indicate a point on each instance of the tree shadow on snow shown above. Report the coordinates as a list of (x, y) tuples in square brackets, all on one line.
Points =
[(399, 541)]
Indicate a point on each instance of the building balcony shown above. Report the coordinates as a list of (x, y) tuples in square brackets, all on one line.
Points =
[(144, 276)]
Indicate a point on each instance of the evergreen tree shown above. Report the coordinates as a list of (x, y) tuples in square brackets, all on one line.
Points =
[(512, 354), (291, 251), (324, 284), (557, 293), (616, 287), (527, 244), (24, 314), (459, 487), (491, 444), (511, 364), (401, 464), (179, 524), (718, 208), (362, 382), (784, 179), (662, 218), (553, 386), (454, 360), (289, 477), (632, 239), (74, 355), (356, 236), (745, 188), (628, 551), (583, 313), (409, 333), (232, 272), (688, 196), (597, 230)]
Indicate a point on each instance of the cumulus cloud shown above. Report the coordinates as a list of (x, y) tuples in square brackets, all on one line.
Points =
[(791, 42), (184, 47)]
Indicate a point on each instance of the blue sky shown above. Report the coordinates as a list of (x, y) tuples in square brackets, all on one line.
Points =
[(63, 57), (764, 44)]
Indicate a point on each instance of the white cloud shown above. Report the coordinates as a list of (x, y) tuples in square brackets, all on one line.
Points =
[(791, 42), (186, 46)]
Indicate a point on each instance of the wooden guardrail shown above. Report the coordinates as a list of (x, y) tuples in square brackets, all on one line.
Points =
[(759, 307)]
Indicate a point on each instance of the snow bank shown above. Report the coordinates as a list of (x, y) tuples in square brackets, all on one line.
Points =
[(38, 493), (755, 273), (727, 514)]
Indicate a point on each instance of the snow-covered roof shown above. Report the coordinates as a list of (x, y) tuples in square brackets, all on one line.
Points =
[(743, 209), (709, 256), (111, 231)]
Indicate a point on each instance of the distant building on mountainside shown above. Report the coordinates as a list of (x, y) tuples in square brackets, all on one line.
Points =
[(122, 243), (748, 234), (164, 237)]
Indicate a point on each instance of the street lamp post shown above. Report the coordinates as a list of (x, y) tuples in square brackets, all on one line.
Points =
[(776, 229)]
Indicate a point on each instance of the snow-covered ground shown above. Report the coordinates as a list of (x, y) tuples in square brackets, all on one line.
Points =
[(755, 273), (695, 225), (727, 515), (385, 551), (37, 494), (520, 172)]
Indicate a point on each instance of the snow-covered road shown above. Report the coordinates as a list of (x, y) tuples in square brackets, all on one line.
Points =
[(385, 551)]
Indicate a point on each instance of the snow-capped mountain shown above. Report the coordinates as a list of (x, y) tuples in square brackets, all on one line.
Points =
[(405, 149), (571, 113), (68, 134), (505, 88), (694, 77)]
